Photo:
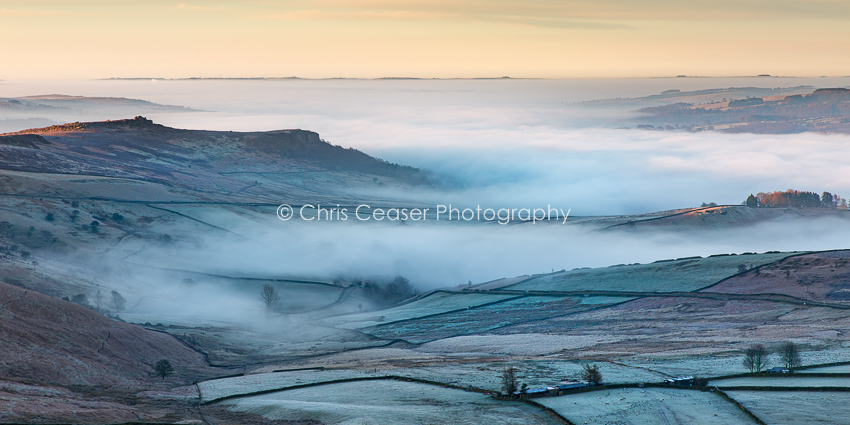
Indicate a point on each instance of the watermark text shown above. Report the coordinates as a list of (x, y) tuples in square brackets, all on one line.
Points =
[(364, 212)]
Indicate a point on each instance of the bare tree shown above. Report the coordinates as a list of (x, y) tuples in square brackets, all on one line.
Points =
[(755, 358), (789, 355), (118, 301), (509, 381), (591, 374), (163, 368), (270, 299)]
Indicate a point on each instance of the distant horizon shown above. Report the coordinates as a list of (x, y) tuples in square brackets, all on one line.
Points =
[(506, 77)]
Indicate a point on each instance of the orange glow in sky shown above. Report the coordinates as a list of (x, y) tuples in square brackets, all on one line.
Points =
[(418, 38)]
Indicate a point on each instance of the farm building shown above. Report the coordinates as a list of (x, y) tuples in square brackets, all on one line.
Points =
[(531, 393), (552, 391), (682, 380), (565, 386)]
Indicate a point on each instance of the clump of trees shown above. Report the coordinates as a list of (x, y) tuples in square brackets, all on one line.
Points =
[(390, 293), (81, 299), (118, 302), (749, 101), (796, 198), (591, 374), (789, 355), (755, 358)]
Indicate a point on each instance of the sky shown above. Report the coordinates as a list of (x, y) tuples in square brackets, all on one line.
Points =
[(82, 39)]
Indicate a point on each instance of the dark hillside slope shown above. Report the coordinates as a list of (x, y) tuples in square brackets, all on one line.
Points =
[(139, 148), (45, 340)]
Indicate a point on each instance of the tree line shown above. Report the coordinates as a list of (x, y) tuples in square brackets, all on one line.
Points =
[(757, 357), (796, 198), (117, 301), (381, 293)]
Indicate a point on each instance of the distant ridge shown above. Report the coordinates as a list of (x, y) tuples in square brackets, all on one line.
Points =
[(140, 148), (137, 122), (318, 79)]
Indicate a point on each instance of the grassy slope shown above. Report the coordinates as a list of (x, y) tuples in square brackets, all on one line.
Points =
[(53, 341)]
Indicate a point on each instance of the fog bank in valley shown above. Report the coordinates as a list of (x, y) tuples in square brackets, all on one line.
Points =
[(517, 143), (498, 144), (442, 255)]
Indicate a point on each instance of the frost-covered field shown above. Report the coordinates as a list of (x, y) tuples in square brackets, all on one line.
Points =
[(518, 344), (667, 276), (544, 372), (489, 317), (218, 388), (478, 373), (689, 365), (827, 369), (532, 372), (242, 221), (649, 406), (481, 375), (439, 302), (783, 381), (729, 364), (388, 402), (796, 407)]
